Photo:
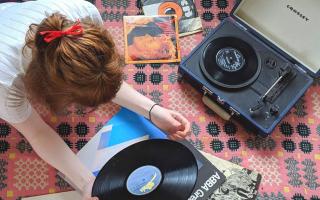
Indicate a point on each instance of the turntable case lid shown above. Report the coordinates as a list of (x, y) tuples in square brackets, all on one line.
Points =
[(291, 25)]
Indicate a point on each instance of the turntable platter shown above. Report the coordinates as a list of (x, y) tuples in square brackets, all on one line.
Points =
[(230, 62)]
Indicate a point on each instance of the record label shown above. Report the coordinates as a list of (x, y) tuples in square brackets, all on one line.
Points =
[(144, 180), (230, 59)]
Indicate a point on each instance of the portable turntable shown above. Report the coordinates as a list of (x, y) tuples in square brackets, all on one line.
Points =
[(258, 62)]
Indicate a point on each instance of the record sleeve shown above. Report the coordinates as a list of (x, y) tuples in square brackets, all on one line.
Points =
[(188, 18), (151, 39), (209, 179), (241, 183)]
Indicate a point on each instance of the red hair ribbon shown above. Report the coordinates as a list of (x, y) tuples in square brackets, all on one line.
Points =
[(76, 29)]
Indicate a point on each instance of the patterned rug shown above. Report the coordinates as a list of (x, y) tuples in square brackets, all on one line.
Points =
[(289, 160)]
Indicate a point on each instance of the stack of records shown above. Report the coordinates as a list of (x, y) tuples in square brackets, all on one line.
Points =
[(185, 10)]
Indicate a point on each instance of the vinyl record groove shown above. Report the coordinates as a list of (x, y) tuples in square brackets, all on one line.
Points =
[(148, 170), (230, 63)]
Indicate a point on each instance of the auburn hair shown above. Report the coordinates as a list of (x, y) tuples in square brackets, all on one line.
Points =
[(84, 69)]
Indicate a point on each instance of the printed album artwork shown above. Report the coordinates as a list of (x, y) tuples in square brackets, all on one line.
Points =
[(241, 184), (151, 39), (188, 18)]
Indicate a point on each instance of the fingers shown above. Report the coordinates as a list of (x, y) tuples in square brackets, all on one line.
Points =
[(176, 137), (176, 123), (185, 128)]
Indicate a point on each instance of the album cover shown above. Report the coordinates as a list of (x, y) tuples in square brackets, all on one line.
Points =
[(188, 18), (151, 39), (241, 183), (122, 130), (210, 178)]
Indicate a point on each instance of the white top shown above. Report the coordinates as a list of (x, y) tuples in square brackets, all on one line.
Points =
[(15, 19)]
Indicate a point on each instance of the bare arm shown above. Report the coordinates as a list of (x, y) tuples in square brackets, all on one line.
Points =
[(52, 149), (133, 100)]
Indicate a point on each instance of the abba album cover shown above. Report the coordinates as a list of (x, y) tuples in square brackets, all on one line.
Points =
[(209, 179), (241, 183), (151, 39)]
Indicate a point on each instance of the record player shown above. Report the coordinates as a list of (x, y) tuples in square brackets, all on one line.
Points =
[(258, 62)]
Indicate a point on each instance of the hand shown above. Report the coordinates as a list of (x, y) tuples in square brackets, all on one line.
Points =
[(173, 123), (86, 195)]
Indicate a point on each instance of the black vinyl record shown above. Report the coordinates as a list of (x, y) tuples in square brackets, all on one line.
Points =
[(149, 170), (230, 62)]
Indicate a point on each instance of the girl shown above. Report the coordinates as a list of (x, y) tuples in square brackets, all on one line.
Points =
[(58, 53)]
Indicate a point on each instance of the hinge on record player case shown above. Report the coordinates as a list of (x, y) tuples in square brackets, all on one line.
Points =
[(241, 26)]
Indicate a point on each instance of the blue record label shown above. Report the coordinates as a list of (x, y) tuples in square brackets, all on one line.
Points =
[(144, 180)]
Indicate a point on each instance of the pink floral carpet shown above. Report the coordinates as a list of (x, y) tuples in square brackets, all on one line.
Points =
[(289, 160)]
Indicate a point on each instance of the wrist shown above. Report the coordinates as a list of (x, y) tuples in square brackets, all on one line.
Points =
[(150, 110)]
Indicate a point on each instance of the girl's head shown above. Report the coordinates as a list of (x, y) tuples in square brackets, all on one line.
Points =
[(84, 69)]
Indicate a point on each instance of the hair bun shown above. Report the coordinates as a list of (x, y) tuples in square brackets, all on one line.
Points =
[(54, 22)]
